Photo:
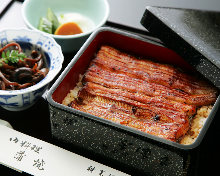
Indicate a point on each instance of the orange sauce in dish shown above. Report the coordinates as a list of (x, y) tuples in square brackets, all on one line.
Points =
[(69, 28)]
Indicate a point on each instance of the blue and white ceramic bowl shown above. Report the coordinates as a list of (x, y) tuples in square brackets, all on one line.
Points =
[(17, 100)]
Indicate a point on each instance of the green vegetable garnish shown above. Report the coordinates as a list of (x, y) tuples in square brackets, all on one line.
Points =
[(49, 23), (45, 25), (61, 15), (11, 57), (53, 19)]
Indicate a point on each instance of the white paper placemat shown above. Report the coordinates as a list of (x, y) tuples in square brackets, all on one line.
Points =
[(37, 157)]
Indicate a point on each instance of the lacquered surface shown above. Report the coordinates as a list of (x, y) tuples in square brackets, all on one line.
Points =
[(192, 34), (38, 124)]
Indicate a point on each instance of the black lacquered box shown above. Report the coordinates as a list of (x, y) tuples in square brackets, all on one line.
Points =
[(129, 147)]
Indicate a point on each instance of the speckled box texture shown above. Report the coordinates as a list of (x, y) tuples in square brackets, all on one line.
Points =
[(193, 34), (129, 147)]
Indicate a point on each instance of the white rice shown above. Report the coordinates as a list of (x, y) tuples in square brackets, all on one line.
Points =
[(196, 125)]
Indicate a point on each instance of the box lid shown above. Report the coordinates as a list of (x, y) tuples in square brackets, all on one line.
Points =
[(193, 34)]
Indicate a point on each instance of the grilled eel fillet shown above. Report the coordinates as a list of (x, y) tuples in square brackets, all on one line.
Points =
[(154, 98)]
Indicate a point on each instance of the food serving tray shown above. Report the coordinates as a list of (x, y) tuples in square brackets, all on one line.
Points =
[(147, 153)]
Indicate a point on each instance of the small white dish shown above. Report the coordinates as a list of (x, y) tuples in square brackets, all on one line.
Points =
[(95, 10)]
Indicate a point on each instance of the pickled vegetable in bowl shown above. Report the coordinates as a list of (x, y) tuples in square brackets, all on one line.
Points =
[(29, 61), (65, 24), (19, 71)]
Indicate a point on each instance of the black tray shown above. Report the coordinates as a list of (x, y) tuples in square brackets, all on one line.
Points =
[(35, 121)]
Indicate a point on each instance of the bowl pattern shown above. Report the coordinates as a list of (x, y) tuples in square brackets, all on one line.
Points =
[(22, 99)]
